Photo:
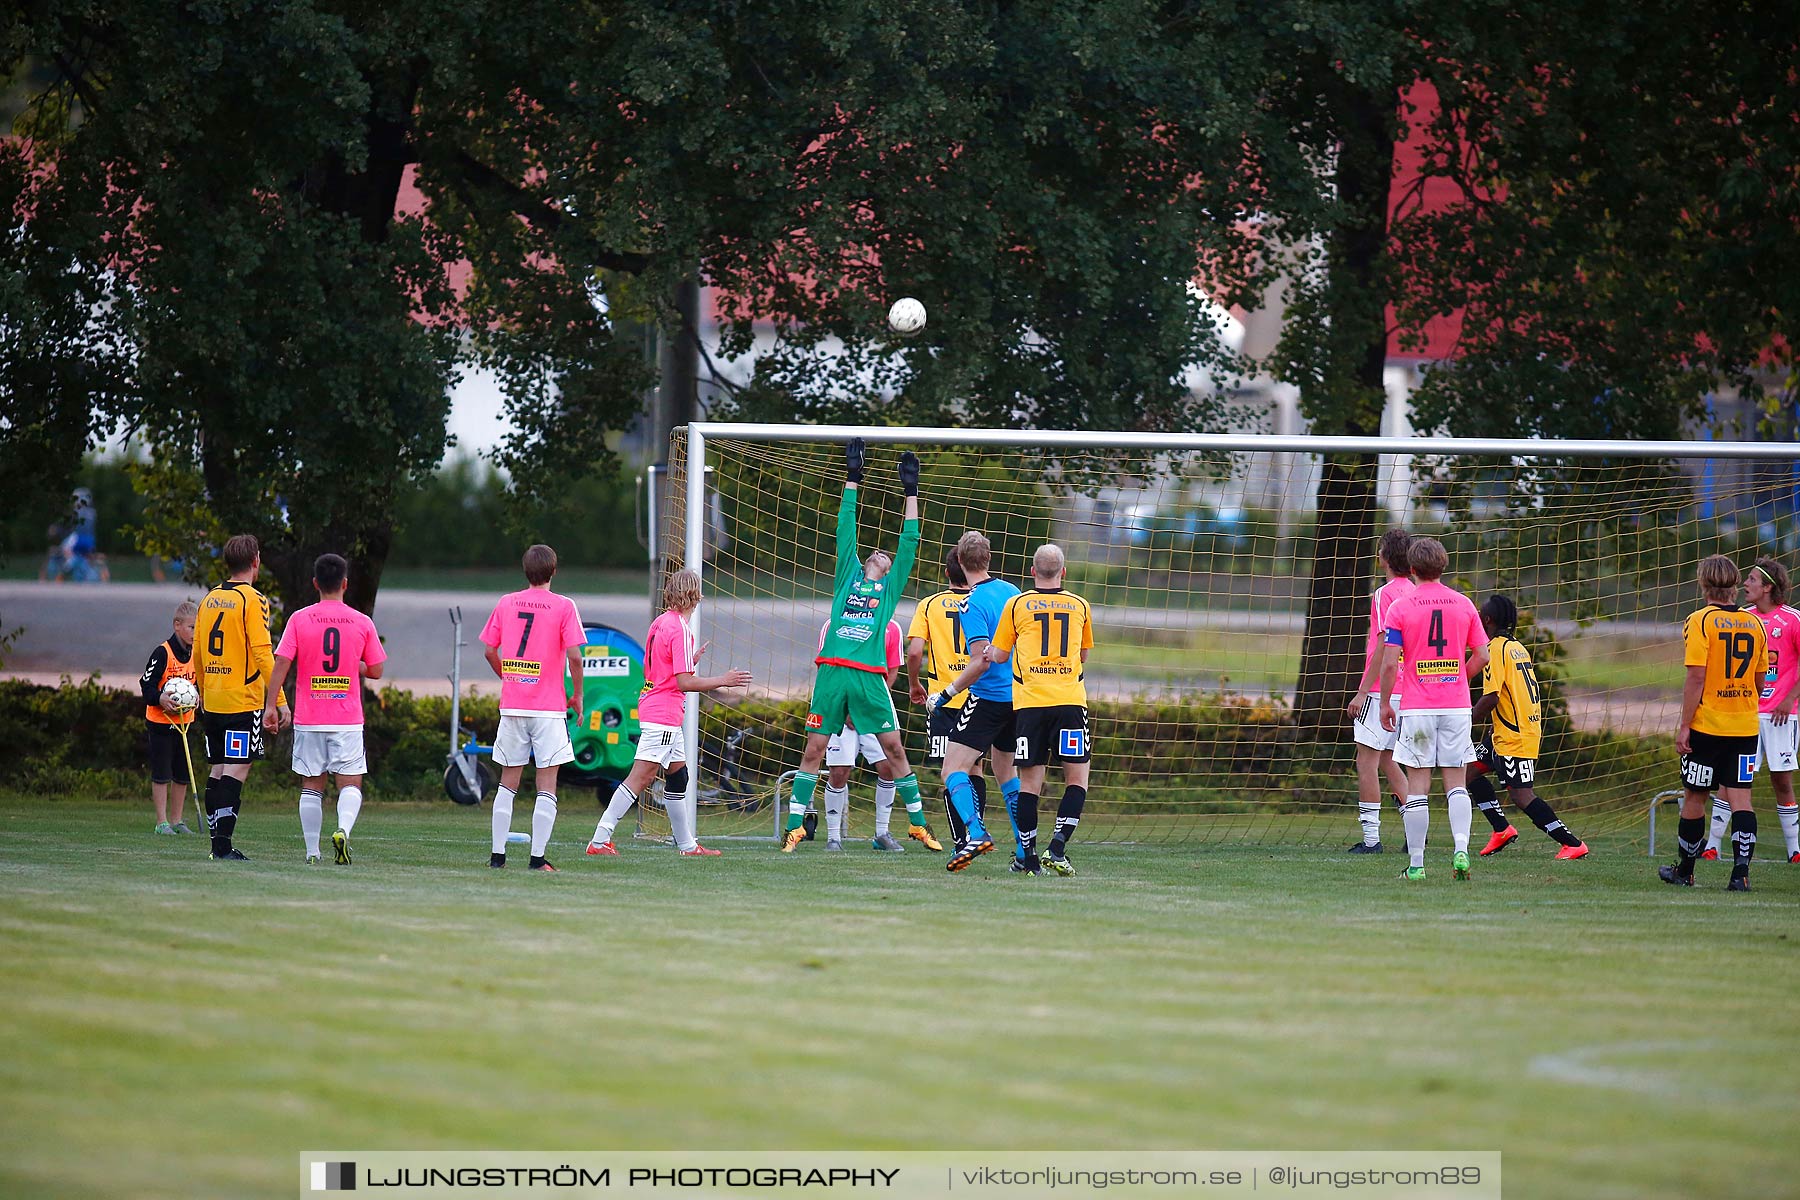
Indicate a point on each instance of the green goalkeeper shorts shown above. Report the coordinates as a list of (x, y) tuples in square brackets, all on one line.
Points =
[(845, 696)]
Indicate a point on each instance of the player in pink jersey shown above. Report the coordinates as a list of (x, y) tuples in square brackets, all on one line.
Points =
[(1766, 587), (670, 659), (1435, 644), (1374, 741), (333, 648), (529, 638), (840, 760)]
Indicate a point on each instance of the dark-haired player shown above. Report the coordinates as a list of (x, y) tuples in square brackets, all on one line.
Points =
[(233, 658), (1434, 645), (851, 687), (1727, 657), (335, 648), (529, 637), (1509, 695), (1778, 751)]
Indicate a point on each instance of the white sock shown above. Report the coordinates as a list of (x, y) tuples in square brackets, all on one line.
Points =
[(1721, 817), (1417, 819), (1462, 812), (1790, 826), (682, 817), (836, 801), (1370, 817), (349, 806), (502, 818), (616, 808), (543, 820), (884, 804), (312, 818)]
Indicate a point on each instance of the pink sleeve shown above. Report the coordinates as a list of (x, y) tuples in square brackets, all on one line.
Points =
[(490, 633), (572, 632), (286, 648), (894, 657), (1477, 635), (656, 662), (374, 653)]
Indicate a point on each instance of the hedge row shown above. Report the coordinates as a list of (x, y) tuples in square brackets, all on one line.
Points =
[(1231, 750), (83, 736)]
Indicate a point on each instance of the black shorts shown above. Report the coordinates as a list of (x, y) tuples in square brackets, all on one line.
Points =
[(982, 725), (168, 762), (1713, 761), (1512, 772), (937, 732), (1060, 732), (232, 737)]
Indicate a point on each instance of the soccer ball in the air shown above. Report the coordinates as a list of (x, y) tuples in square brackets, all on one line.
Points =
[(907, 316), (181, 695)]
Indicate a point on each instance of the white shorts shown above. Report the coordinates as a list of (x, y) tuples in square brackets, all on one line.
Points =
[(1778, 747), (329, 752), (661, 744), (1434, 740), (845, 745), (540, 739), (1368, 730)]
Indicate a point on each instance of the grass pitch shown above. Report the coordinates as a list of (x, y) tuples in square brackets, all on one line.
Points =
[(176, 1027)]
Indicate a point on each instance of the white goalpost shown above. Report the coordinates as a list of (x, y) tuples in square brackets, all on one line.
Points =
[(1229, 576)]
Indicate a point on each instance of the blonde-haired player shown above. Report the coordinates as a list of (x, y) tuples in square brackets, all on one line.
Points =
[(670, 660), (937, 646), (1046, 634), (1726, 654), (1374, 742), (1778, 745)]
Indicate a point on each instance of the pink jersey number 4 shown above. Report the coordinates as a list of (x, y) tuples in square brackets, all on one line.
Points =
[(1434, 627)]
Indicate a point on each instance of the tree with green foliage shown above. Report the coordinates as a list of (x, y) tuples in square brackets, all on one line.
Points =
[(215, 189), (1624, 240)]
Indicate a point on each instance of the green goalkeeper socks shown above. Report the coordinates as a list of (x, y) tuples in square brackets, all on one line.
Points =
[(801, 797), (908, 788)]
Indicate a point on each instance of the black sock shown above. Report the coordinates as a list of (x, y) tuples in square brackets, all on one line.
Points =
[(979, 783), (1743, 842), (1488, 801), (1690, 840), (222, 797), (1025, 818), (1068, 816), (959, 833), (1544, 817)]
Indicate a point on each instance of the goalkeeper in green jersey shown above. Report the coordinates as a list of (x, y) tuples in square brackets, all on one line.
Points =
[(852, 685)]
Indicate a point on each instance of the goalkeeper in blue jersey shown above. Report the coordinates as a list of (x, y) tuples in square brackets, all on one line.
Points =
[(851, 688)]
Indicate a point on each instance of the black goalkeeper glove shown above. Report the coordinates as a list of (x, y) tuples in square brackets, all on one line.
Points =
[(909, 473), (853, 460)]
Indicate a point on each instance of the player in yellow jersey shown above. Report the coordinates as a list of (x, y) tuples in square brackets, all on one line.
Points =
[(1046, 634), (233, 658), (935, 644), (1509, 695), (1727, 655)]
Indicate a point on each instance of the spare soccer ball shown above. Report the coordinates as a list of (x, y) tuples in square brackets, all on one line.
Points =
[(181, 695), (907, 316)]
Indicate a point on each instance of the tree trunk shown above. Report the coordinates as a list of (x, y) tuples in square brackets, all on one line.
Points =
[(1352, 404)]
